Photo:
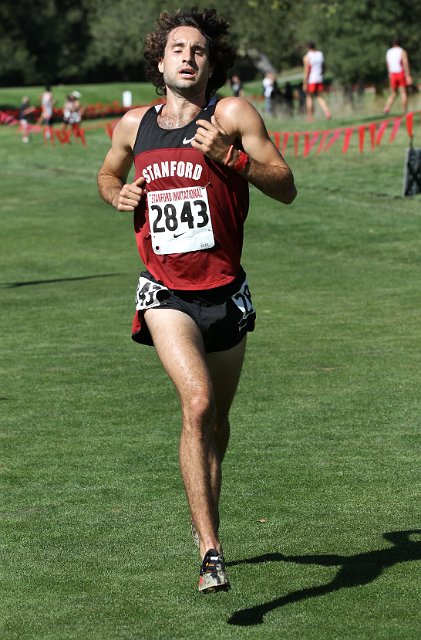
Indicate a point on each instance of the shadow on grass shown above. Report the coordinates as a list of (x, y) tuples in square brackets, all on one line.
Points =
[(30, 283), (353, 571)]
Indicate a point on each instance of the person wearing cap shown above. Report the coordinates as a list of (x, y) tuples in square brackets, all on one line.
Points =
[(72, 110)]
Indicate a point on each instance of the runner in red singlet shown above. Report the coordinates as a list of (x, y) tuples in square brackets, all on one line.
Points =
[(194, 158)]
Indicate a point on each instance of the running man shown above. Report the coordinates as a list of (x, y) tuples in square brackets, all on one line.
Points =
[(313, 84), (399, 75), (193, 158)]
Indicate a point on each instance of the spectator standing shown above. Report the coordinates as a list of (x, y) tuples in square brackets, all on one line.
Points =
[(47, 106), (25, 117), (77, 110), (67, 111), (72, 111), (236, 86), (268, 87)]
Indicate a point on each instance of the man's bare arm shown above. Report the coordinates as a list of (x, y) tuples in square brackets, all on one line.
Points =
[(275, 181), (117, 164), (405, 63), (306, 72), (238, 123)]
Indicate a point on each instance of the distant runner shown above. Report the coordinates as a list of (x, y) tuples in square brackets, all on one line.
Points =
[(313, 84), (399, 75)]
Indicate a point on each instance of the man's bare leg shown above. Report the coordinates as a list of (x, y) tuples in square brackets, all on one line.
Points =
[(225, 370), (404, 98), (322, 102), (180, 348), (390, 101), (309, 107)]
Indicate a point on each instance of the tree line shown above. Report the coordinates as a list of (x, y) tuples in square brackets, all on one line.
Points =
[(63, 41)]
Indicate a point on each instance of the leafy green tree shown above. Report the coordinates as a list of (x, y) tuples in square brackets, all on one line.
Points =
[(42, 40), (262, 26), (62, 40), (66, 40), (116, 30)]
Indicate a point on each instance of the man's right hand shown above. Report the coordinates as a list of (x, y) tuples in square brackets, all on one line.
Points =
[(131, 195)]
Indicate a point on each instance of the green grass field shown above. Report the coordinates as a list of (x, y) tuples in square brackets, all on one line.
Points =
[(322, 477), (142, 93)]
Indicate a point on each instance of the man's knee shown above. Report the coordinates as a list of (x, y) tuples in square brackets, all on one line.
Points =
[(199, 412)]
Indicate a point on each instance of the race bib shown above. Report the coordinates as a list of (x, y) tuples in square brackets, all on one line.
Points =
[(180, 220), (242, 300), (149, 294)]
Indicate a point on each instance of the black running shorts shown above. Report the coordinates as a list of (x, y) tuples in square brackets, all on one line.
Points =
[(224, 315)]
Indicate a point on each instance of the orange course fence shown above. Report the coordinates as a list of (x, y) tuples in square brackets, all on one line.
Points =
[(297, 142)]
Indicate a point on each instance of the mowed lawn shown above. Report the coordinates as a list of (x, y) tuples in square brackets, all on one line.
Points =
[(321, 498)]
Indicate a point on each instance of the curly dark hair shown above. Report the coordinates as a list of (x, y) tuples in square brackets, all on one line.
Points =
[(215, 30)]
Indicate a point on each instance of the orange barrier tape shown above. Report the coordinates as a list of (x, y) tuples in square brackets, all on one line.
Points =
[(324, 140)]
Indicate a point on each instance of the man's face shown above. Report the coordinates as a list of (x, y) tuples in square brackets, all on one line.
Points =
[(185, 65)]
